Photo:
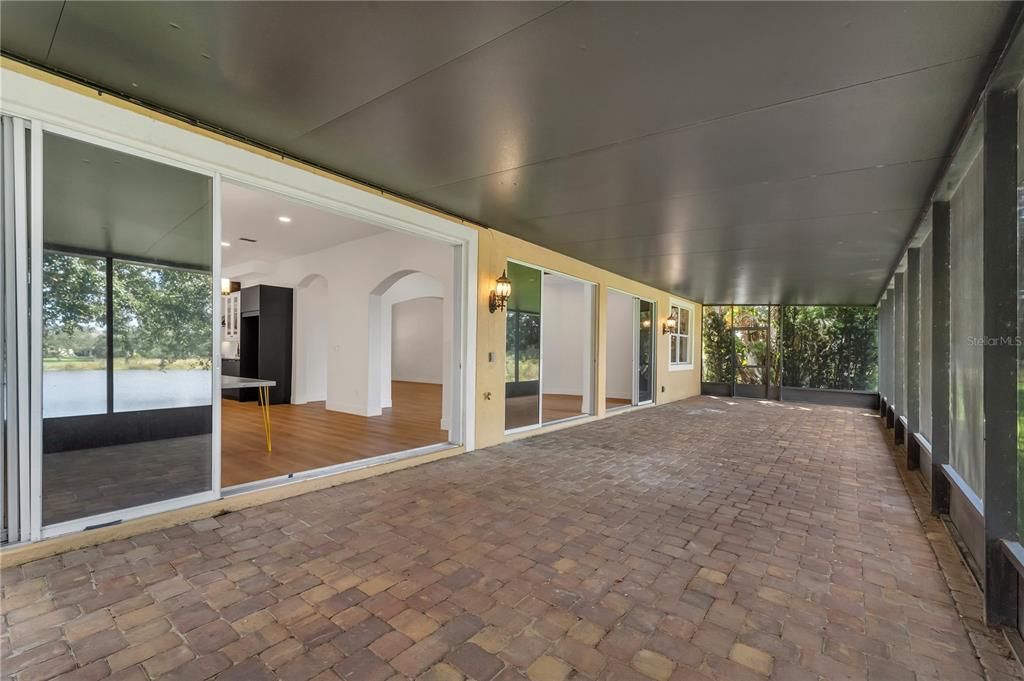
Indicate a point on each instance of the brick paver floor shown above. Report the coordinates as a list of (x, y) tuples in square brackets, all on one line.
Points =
[(701, 539)]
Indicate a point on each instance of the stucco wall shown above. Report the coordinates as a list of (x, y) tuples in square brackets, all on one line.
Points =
[(495, 250), (352, 387)]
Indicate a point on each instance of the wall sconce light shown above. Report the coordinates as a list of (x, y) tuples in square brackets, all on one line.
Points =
[(225, 286), (500, 294), (645, 324), (670, 324)]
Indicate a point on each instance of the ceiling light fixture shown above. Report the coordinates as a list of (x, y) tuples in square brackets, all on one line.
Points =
[(284, 218)]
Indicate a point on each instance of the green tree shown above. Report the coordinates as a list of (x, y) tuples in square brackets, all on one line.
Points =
[(162, 313), (74, 290), (830, 347), (719, 345), (159, 313)]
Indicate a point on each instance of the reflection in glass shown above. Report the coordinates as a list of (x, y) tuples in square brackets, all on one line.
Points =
[(683, 330), (567, 345), (645, 348), (74, 335), (162, 346), (522, 348), (620, 353), (129, 255)]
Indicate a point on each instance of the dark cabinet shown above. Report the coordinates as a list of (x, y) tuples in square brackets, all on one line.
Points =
[(230, 367), (265, 342)]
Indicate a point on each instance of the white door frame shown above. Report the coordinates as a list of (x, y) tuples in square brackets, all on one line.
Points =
[(64, 111)]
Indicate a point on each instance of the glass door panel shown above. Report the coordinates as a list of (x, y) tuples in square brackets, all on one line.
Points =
[(522, 348), (620, 350), (15, 148), (567, 345), (127, 329), (645, 351)]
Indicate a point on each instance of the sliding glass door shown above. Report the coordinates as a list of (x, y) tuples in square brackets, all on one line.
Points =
[(630, 350), (549, 348), (522, 348), (14, 338), (645, 351), (127, 331)]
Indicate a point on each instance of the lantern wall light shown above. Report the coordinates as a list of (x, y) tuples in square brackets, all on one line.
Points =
[(670, 325), (501, 292)]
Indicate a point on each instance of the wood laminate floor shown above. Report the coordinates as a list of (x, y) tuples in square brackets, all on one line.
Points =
[(522, 411), (616, 402), (307, 436)]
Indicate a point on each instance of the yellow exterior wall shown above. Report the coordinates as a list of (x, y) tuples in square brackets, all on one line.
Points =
[(496, 249)]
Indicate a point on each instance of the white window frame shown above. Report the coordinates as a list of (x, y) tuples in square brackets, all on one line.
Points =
[(673, 305)]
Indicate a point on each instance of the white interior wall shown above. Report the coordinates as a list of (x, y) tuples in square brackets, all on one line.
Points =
[(567, 338), (619, 346), (358, 273), (417, 350), (310, 344)]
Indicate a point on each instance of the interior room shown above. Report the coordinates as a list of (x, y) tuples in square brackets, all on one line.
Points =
[(336, 338)]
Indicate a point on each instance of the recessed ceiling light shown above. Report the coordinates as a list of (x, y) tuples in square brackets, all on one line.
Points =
[(284, 218), (225, 243)]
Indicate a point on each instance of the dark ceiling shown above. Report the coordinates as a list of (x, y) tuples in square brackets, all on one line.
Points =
[(729, 152)]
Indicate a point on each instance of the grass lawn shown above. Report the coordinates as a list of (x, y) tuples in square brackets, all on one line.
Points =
[(120, 364)]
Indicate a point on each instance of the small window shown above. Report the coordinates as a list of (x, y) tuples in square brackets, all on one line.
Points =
[(680, 348)]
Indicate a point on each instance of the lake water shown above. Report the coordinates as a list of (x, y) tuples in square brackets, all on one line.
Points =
[(72, 393)]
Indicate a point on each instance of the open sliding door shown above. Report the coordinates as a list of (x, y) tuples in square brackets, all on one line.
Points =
[(630, 351), (14, 334)]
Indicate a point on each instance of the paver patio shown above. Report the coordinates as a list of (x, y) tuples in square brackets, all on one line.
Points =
[(700, 539)]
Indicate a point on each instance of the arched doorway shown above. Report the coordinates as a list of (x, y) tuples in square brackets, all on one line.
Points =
[(410, 341)]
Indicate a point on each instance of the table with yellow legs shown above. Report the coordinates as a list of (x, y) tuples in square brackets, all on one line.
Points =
[(263, 387)]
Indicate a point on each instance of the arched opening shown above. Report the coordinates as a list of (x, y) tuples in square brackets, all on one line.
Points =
[(409, 345), (315, 309)]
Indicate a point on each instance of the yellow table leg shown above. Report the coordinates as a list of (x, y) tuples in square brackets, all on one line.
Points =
[(263, 395)]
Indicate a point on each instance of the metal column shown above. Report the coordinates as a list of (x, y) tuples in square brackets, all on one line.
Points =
[(900, 364), (912, 351), (940, 355), (1000, 359)]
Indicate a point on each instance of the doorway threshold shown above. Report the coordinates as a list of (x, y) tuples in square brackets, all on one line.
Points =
[(324, 471)]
